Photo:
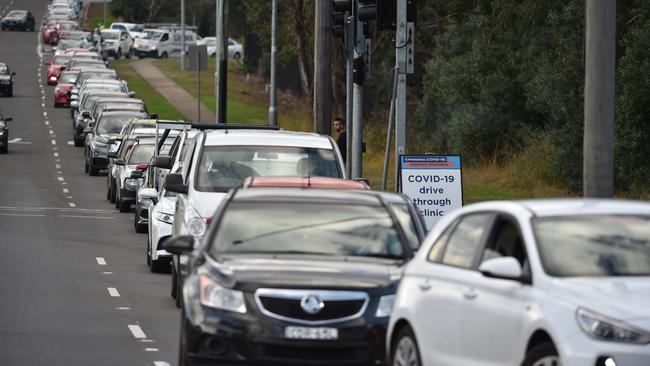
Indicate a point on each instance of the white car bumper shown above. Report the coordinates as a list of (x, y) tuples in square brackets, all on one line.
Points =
[(580, 350)]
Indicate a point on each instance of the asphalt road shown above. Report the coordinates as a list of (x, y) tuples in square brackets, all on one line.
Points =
[(74, 285)]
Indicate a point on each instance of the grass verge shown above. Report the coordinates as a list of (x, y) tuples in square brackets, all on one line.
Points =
[(155, 102)]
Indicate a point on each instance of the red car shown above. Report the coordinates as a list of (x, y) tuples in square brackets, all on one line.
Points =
[(47, 32), (63, 88), (303, 182), (55, 67)]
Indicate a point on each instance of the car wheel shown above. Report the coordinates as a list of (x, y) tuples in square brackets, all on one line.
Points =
[(78, 142), (148, 250), (179, 292), (5, 148), (113, 194), (86, 165), (139, 228), (405, 349), (183, 358), (129, 54), (119, 53), (544, 354), (92, 170), (164, 55), (174, 292), (124, 206), (237, 56), (57, 105)]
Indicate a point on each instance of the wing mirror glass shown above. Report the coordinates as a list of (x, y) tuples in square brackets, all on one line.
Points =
[(8, 119), (505, 268), (119, 162), (163, 162)]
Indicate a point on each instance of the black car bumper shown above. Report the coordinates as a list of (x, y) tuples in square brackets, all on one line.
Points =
[(127, 196), (255, 339), (5, 88), (14, 26), (100, 162), (140, 53)]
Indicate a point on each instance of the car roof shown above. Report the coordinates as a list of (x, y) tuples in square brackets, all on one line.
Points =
[(334, 196), (118, 100), (266, 138), (111, 30), (570, 206), (303, 182), (135, 114)]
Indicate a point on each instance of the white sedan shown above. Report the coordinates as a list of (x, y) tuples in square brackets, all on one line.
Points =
[(235, 49), (531, 283)]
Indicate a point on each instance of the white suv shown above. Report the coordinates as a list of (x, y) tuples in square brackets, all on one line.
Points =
[(116, 43), (531, 283)]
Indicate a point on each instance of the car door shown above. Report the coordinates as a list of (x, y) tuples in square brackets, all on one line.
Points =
[(439, 289), (493, 308)]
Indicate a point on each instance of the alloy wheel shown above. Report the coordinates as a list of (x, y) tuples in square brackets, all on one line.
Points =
[(406, 353), (548, 361)]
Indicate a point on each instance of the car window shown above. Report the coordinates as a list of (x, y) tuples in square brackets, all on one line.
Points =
[(4, 70), (464, 242), (505, 241), (403, 215), (437, 248)]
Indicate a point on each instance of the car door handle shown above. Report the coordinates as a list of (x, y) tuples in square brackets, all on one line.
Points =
[(470, 294), (425, 286)]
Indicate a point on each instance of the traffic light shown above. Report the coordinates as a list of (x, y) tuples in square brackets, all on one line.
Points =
[(384, 12), (339, 8)]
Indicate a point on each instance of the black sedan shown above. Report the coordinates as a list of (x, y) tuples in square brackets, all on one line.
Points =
[(18, 20), (292, 277), (4, 133), (6, 81)]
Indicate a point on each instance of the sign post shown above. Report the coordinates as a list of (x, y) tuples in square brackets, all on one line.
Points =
[(433, 183)]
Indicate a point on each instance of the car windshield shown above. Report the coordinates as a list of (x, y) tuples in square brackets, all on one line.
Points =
[(4, 70), (111, 35), (78, 36), (96, 75), (68, 78), (307, 228), (113, 124), (141, 154), (67, 26), (222, 168), (68, 43), (104, 87), (597, 245), (60, 60), (16, 14), (153, 35)]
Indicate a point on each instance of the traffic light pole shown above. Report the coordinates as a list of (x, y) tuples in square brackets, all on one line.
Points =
[(183, 58), (357, 108)]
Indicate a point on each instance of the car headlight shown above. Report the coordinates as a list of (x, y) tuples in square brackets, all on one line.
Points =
[(2, 125), (218, 297), (385, 307), (132, 184), (98, 145), (602, 328), (195, 224), (165, 217)]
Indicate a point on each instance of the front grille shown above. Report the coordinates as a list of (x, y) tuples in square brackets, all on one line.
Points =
[(336, 305), (323, 355)]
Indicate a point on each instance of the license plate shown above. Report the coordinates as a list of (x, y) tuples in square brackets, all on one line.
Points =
[(311, 333)]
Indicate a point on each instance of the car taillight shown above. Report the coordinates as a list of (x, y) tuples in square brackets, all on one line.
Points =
[(142, 167)]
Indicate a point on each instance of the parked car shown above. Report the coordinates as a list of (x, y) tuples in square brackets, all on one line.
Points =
[(292, 277), (18, 20), (546, 282), (55, 67), (235, 49), (135, 30), (6, 80), (101, 135), (4, 133), (81, 112), (163, 42)]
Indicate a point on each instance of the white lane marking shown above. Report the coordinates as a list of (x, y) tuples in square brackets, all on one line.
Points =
[(137, 331), (53, 142), (113, 292), (55, 149), (25, 215), (17, 139), (151, 349), (101, 261), (148, 341), (59, 172), (43, 105), (88, 217), (71, 143), (65, 190), (106, 273), (65, 183), (160, 363), (122, 308), (72, 204), (61, 179), (58, 166), (47, 123), (56, 155), (63, 209), (51, 132), (69, 197)]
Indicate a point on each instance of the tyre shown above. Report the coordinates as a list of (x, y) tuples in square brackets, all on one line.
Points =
[(112, 194), (174, 288), (139, 228), (92, 170), (129, 54), (78, 142), (148, 250), (86, 165), (164, 55), (237, 56), (124, 206), (179, 292), (5, 148), (160, 265), (57, 105), (405, 350), (183, 358), (544, 354), (119, 54)]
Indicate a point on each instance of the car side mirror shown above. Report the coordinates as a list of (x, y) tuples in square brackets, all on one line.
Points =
[(88, 130), (63, 68), (163, 162), (85, 114), (174, 183), (8, 119), (131, 94), (154, 116), (179, 245), (137, 174), (112, 155), (505, 268), (149, 193), (119, 162)]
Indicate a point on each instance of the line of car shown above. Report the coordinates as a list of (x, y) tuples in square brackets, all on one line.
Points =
[(277, 258)]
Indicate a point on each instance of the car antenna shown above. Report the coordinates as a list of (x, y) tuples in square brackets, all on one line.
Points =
[(308, 172)]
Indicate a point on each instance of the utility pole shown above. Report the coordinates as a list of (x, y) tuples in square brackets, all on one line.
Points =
[(598, 164), (405, 29), (273, 105), (221, 73), (350, 25), (323, 67), (357, 104), (183, 35)]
